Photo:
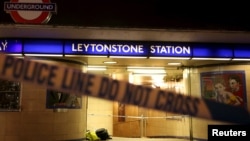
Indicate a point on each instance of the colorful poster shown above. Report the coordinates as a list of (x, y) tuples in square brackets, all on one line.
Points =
[(227, 87)]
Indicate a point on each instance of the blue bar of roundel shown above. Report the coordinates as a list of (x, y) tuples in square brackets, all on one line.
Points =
[(11, 46), (242, 51), (43, 47), (212, 50)]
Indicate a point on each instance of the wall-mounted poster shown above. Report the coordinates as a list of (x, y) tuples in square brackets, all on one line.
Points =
[(56, 99), (9, 95), (227, 87)]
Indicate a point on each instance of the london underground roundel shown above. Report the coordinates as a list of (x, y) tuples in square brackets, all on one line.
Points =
[(30, 11)]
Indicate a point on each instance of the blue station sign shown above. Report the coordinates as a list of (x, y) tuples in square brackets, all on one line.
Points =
[(50, 47), (11, 46), (212, 50), (124, 48), (242, 51)]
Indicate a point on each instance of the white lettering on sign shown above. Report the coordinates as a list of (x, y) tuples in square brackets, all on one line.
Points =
[(170, 49), (29, 6), (231, 133), (3, 46), (104, 48)]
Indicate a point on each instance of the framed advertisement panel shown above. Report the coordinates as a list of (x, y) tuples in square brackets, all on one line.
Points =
[(228, 87), (56, 99), (10, 95)]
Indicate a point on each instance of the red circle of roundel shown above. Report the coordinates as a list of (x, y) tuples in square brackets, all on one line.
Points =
[(42, 18)]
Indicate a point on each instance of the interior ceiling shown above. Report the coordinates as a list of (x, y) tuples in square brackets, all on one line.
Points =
[(122, 63), (144, 62)]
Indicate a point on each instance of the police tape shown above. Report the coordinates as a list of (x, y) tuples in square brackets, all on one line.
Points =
[(74, 81)]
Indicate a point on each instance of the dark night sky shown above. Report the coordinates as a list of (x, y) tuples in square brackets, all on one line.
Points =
[(148, 14)]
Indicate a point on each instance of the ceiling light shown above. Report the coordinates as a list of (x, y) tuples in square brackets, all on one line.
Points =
[(147, 70), (150, 74), (174, 64), (91, 56), (96, 68), (178, 58), (15, 54), (211, 59), (241, 59), (44, 55), (109, 62), (143, 57)]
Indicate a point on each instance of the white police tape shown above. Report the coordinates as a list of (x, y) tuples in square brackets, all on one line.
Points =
[(74, 81)]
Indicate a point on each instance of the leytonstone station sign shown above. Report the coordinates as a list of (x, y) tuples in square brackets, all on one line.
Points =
[(112, 48)]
